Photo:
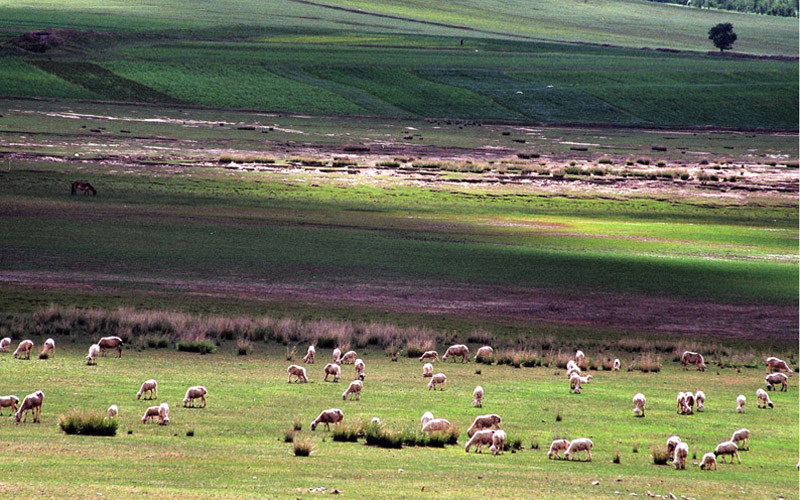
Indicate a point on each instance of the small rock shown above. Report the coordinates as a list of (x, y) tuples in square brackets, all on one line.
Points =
[(480, 477)]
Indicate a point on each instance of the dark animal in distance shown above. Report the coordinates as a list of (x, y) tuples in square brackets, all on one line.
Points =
[(85, 187)]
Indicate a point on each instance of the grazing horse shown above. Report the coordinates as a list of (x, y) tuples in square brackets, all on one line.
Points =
[(83, 186)]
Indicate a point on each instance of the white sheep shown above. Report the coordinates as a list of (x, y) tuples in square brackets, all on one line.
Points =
[(615, 367), (359, 367), (196, 392), (479, 439), (775, 364), (4, 344), (112, 411), (375, 421), (24, 349), (49, 348), (332, 369), (700, 398), (672, 442), (679, 455), (558, 445), (726, 448), (693, 358), (763, 398), (94, 352), (110, 343), (311, 355), (773, 379), (32, 403), (639, 402), (427, 370), (163, 414), (683, 404), (439, 379), (579, 357), (298, 372), (348, 358), (575, 383), (353, 389), (337, 355), (740, 402), (477, 397), (498, 442), (432, 355), (436, 425), (456, 351), (741, 437), (689, 402), (709, 460), (426, 417), (9, 401), (586, 379), (327, 417), (572, 367), (148, 386), (484, 353), (576, 446), (484, 422), (150, 413)]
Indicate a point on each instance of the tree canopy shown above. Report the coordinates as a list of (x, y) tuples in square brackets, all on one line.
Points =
[(723, 36)]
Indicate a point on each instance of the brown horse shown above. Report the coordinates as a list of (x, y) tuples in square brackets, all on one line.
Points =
[(85, 187)]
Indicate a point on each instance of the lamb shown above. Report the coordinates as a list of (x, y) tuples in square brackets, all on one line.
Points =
[(49, 348), (348, 358), (740, 402), (679, 456), (432, 355), (426, 417), (24, 349), (498, 442), (484, 352), (457, 350), (327, 417), (337, 355), (708, 461), (484, 422), (112, 411), (775, 364), (298, 372), (741, 437), (359, 366), (557, 446), (197, 392), (353, 389), (727, 448), (150, 413), (763, 398), (439, 379), (427, 370), (576, 446), (672, 442), (94, 351), (4, 344), (332, 369), (436, 425), (9, 401), (163, 414), (579, 357), (700, 398), (616, 365), (638, 404), (150, 387), (477, 397), (311, 355), (575, 383), (693, 358), (110, 343), (32, 403), (773, 379), (479, 439)]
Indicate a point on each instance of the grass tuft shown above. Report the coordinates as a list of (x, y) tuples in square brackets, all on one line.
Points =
[(88, 423)]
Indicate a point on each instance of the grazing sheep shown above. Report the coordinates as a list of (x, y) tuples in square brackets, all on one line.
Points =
[(672, 442), (337, 355), (150, 387), (332, 369), (778, 365), (150, 414), (359, 366), (33, 403), (682, 404), (572, 367), (615, 367), (426, 417), (195, 392), (327, 417), (427, 370), (353, 389), (348, 358), (740, 402), (679, 456), (436, 425), (457, 350), (94, 351), (484, 352), (477, 397), (576, 446), (163, 414), (579, 357), (432, 355), (24, 349), (689, 402), (439, 379), (773, 379), (110, 343), (693, 358), (708, 461), (638, 404), (484, 422), (700, 398), (298, 372), (763, 399), (4, 344), (49, 348), (311, 355), (741, 437), (557, 446), (498, 442), (10, 401), (575, 383), (726, 448), (112, 411), (479, 439)]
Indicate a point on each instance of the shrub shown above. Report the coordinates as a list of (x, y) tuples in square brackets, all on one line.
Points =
[(292, 351), (200, 346), (43, 355), (648, 363), (190, 433), (157, 342), (416, 346), (288, 436), (298, 424), (513, 444), (643, 161), (635, 448), (660, 455), (382, 437), (616, 458), (605, 161), (389, 164), (534, 443), (558, 415), (303, 447), (344, 163), (88, 423), (243, 346), (392, 350), (347, 432)]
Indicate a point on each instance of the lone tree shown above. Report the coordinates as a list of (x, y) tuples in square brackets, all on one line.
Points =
[(723, 36)]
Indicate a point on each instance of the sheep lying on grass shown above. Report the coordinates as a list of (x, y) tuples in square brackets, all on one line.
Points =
[(429, 355), (196, 392), (479, 439), (775, 379), (150, 387), (741, 437), (327, 417), (679, 456), (94, 352), (740, 402), (427, 370), (112, 411), (24, 349), (4, 344), (10, 401), (763, 399), (332, 369), (33, 403), (436, 425), (694, 358), (311, 355), (777, 365), (709, 460), (727, 448), (437, 380), (484, 422), (457, 351), (558, 445), (484, 353), (110, 343), (576, 446), (354, 389), (498, 442), (638, 404), (298, 372)]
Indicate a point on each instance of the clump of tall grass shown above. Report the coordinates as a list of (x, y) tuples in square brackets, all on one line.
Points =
[(88, 423), (347, 432), (243, 346), (291, 352), (233, 158), (647, 363), (417, 345), (297, 424), (288, 436), (382, 437), (660, 455), (303, 446), (199, 346)]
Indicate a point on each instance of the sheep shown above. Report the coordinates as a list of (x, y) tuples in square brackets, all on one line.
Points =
[(638, 404), (327, 417), (150, 387), (432, 355), (682, 404), (484, 352), (672, 442), (763, 398), (439, 379), (693, 358), (708, 461), (94, 351), (298, 372), (498, 442), (579, 357), (9, 401), (778, 365), (679, 456), (616, 365), (427, 370), (689, 402), (110, 343), (33, 403), (353, 389), (572, 367), (700, 398), (426, 417), (479, 439), (49, 348), (337, 355), (112, 411), (575, 383), (163, 414), (4, 344), (348, 358), (150, 413), (477, 397), (24, 349), (195, 392), (586, 379), (484, 422), (773, 379), (359, 367), (557, 446), (576, 446), (375, 421), (332, 369), (457, 350), (436, 425), (311, 355), (741, 437), (727, 448), (740, 402)]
